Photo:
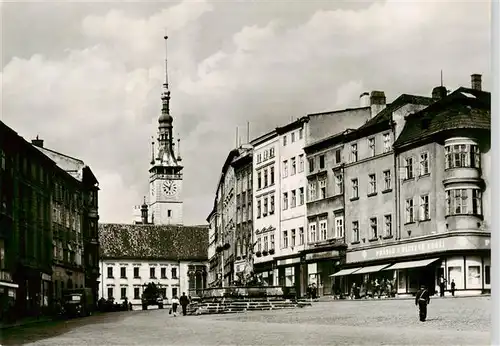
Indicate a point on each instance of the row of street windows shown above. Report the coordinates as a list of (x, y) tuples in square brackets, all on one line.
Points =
[(293, 166), (152, 273), (374, 231), (137, 292), (372, 184), (371, 147)]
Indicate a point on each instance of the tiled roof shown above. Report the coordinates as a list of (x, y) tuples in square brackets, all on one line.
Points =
[(153, 242), (463, 109), (386, 114)]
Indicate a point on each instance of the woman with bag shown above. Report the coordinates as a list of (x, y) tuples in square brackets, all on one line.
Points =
[(175, 304)]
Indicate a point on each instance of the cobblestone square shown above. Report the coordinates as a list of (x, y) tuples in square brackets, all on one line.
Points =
[(460, 321)]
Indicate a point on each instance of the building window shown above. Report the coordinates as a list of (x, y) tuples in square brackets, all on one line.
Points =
[(259, 211), (354, 183), (285, 168), (311, 164), (294, 198), (110, 292), (271, 211), (312, 190), (259, 180), (123, 292), (266, 244), (265, 155), (174, 291), (301, 196), (372, 188), (339, 188), (293, 163), (152, 272), (322, 188), (339, 227), (292, 239), (271, 153), (409, 168), (312, 232), (272, 241), (371, 146), (387, 180), (259, 244), (463, 201), (163, 273), (137, 293), (265, 178), (136, 272), (355, 231), (265, 207), (338, 156), (285, 239), (462, 155), (284, 140), (424, 163), (409, 210), (424, 208), (123, 272), (110, 272), (487, 277), (354, 152), (301, 235), (373, 228), (301, 163), (292, 135), (388, 225), (301, 133), (322, 230), (285, 200), (387, 142), (272, 175), (322, 162), (174, 273)]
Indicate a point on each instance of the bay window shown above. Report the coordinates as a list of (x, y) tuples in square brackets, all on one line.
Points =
[(463, 201), (462, 156)]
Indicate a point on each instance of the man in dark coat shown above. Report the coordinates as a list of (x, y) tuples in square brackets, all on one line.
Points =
[(184, 301), (422, 299)]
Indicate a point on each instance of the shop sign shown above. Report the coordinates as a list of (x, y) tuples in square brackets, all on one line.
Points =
[(5, 276), (288, 261), (421, 247), (322, 255)]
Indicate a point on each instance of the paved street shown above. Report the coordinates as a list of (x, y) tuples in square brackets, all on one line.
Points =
[(460, 321)]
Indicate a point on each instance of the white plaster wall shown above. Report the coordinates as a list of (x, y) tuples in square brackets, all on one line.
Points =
[(457, 262)]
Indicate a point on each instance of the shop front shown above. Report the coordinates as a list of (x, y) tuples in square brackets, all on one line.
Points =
[(265, 272), (8, 294), (402, 268), (319, 266), (289, 273)]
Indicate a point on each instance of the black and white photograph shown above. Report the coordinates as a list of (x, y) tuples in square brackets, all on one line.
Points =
[(216, 172)]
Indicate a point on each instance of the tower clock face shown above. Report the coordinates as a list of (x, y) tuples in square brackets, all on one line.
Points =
[(170, 187)]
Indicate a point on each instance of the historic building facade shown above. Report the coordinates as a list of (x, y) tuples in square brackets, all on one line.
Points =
[(134, 255), (266, 204), (292, 189)]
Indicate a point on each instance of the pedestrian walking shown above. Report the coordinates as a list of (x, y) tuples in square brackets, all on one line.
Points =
[(175, 304), (442, 285), (452, 287), (422, 299), (184, 300)]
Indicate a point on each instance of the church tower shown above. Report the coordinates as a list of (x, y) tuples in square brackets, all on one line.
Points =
[(165, 173)]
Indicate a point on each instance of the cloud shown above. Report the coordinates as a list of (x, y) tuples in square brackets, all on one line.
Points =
[(101, 103)]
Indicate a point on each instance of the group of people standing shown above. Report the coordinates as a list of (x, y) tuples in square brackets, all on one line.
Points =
[(373, 288)]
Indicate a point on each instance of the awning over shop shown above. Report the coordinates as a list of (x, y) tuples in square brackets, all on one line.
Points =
[(8, 284), (412, 264), (372, 269), (345, 272)]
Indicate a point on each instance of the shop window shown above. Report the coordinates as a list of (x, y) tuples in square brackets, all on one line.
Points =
[(474, 276), (137, 293), (487, 278), (290, 276), (455, 273)]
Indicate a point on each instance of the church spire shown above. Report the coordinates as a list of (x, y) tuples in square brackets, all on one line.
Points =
[(165, 96)]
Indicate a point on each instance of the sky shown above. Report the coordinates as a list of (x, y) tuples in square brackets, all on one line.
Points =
[(86, 76)]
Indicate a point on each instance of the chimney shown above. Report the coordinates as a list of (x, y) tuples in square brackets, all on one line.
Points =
[(377, 102), (37, 142), (439, 93), (475, 81), (364, 99), (144, 212)]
